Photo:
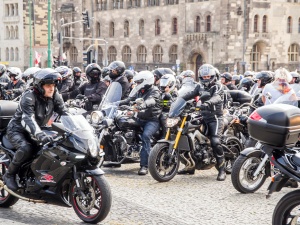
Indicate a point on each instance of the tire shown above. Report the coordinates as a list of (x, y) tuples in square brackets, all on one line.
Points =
[(282, 212), (235, 146), (244, 167), (159, 167), (98, 209), (6, 199)]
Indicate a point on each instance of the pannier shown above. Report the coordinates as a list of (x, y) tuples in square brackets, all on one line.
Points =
[(277, 125), (7, 110), (240, 96)]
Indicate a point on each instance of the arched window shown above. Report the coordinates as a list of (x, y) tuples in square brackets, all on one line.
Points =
[(12, 55), (98, 31), (173, 54), (141, 27), (289, 24), (293, 53), (11, 33), (12, 10), (112, 54), (157, 27), (255, 57), (6, 9), (17, 9), (299, 25), (7, 32), (73, 54), (111, 29), (67, 31), (126, 54), (7, 54), (264, 25), (174, 26), (208, 23), (17, 54), (17, 32), (157, 54), (255, 24), (126, 28), (197, 24), (141, 53), (100, 55)]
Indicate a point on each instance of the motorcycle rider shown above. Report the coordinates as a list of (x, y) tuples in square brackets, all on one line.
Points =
[(129, 75), (263, 78), (188, 76), (246, 83), (147, 113), (226, 80), (158, 73), (16, 86), (78, 80), (116, 74), (66, 87), (295, 83), (3, 76), (34, 111), (236, 80), (211, 93)]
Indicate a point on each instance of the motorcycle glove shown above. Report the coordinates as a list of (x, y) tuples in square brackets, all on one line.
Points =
[(141, 106), (44, 138)]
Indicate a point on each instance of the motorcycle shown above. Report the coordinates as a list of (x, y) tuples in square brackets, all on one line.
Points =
[(186, 142), (64, 172)]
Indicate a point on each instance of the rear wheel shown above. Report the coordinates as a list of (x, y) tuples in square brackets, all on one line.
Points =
[(234, 145)]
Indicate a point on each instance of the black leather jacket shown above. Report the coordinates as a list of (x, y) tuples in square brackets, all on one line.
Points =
[(125, 86), (35, 111), (212, 95), (17, 89), (152, 100), (66, 87)]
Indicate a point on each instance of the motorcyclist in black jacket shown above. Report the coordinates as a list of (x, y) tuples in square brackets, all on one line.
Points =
[(226, 79), (116, 74), (3, 76), (16, 86), (147, 113), (34, 111), (66, 87), (211, 95), (78, 80)]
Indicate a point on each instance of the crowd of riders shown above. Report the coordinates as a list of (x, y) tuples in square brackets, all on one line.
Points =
[(158, 88)]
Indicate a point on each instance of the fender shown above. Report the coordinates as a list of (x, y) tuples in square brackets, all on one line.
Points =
[(252, 151), (95, 172)]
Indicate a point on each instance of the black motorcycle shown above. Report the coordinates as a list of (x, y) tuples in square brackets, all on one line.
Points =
[(64, 172)]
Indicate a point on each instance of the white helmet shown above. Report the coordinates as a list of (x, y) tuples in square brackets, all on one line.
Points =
[(15, 71), (167, 80), (143, 80), (283, 74)]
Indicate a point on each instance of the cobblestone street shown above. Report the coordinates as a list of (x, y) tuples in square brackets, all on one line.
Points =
[(197, 199)]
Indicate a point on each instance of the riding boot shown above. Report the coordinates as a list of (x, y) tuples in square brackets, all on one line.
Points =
[(221, 168), (9, 177)]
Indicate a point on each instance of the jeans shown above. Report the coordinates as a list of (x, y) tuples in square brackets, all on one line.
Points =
[(149, 128)]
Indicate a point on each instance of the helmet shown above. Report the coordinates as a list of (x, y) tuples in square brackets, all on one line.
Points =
[(129, 75), (118, 67), (46, 76), (237, 79), (158, 73), (297, 76), (167, 80), (169, 71), (105, 71), (2, 69), (246, 83), (265, 77), (207, 70), (187, 73), (29, 73), (107, 78), (227, 76), (283, 74), (15, 72), (93, 72), (64, 71), (144, 80), (248, 74), (75, 71)]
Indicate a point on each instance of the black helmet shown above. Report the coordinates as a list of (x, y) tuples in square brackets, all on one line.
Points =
[(295, 75), (207, 70), (246, 83), (75, 71), (118, 67), (265, 77), (105, 71), (46, 76), (158, 73), (93, 72), (129, 75), (227, 76), (236, 78), (2, 69)]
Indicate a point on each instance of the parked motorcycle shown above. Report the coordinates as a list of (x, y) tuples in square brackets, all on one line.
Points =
[(186, 142), (64, 172)]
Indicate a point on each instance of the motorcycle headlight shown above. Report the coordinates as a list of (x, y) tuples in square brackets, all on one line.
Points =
[(171, 122), (93, 147), (96, 117)]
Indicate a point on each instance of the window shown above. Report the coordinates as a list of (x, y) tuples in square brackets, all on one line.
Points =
[(6, 10), (293, 53), (17, 9), (17, 32), (255, 57), (157, 27), (299, 25), (12, 9), (197, 24), (141, 54), (264, 25), (157, 54), (173, 54), (7, 32), (171, 2), (141, 27), (11, 33), (100, 55), (12, 57), (67, 31), (126, 54), (126, 28), (98, 31), (7, 54), (73, 54), (112, 29), (289, 25), (112, 54), (17, 54), (102, 5), (174, 26), (208, 23), (153, 2), (255, 25)]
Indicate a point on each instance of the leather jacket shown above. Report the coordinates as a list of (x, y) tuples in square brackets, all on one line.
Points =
[(66, 87), (17, 89), (125, 86)]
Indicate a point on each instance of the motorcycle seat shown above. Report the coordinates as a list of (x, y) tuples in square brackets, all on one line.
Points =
[(296, 159), (6, 143)]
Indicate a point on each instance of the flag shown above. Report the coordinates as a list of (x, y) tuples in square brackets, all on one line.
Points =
[(37, 59)]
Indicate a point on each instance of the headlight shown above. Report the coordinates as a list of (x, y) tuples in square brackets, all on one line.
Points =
[(171, 122), (96, 117), (93, 147)]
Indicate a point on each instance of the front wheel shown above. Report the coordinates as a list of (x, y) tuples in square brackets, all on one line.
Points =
[(287, 209), (242, 174), (163, 166), (92, 203)]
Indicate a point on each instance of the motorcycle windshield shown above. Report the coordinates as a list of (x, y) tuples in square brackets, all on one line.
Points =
[(177, 107), (186, 88)]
